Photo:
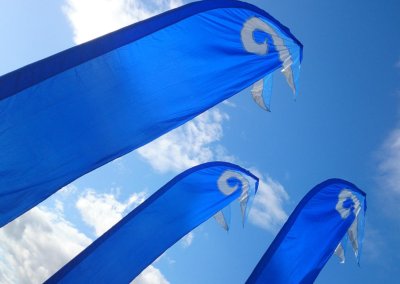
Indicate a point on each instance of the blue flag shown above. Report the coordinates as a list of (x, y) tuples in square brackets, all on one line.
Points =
[(313, 233), (71, 113), (137, 240)]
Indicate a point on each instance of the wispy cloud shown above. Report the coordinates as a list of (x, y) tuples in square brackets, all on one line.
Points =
[(267, 210), (150, 275), (229, 103), (189, 145), (102, 210), (373, 245), (92, 18), (68, 190), (389, 166), (388, 176), (187, 240), (36, 245)]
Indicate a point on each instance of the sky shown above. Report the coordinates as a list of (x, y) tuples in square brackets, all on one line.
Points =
[(344, 123)]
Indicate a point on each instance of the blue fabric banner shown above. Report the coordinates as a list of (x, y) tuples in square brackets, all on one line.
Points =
[(313, 233), (137, 240), (71, 113)]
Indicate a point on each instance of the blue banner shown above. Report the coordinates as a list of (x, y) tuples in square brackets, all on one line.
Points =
[(71, 113), (137, 240), (313, 233)]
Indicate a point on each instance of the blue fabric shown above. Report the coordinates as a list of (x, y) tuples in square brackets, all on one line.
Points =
[(267, 91), (70, 113), (137, 240), (310, 236)]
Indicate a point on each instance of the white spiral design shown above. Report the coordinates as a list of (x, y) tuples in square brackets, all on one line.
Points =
[(344, 195), (240, 181), (247, 35)]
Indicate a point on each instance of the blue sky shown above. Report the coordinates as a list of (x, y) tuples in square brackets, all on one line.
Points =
[(345, 123)]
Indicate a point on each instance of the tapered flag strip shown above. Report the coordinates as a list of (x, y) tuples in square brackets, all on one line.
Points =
[(138, 239), (314, 231), (71, 113)]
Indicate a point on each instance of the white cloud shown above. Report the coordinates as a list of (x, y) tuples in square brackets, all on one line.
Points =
[(390, 162), (388, 176), (36, 245), (150, 275), (59, 206), (93, 18), (191, 144), (229, 103), (68, 190), (267, 209), (373, 244), (187, 240), (102, 210)]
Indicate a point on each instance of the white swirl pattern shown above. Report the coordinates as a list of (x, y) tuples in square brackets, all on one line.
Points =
[(247, 36), (240, 181), (344, 212)]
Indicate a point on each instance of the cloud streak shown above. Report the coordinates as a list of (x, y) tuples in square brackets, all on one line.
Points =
[(101, 211), (150, 275), (389, 166), (191, 144), (187, 240), (267, 210)]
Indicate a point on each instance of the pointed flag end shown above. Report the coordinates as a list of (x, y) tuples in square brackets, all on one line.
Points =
[(220, 218), (243, 205), (262, 92), (243, 221), (339, 252), (291, 70)]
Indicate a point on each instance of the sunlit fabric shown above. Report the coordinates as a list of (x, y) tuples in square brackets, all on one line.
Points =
[(137, 240), (71, 113), (313, 233)]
